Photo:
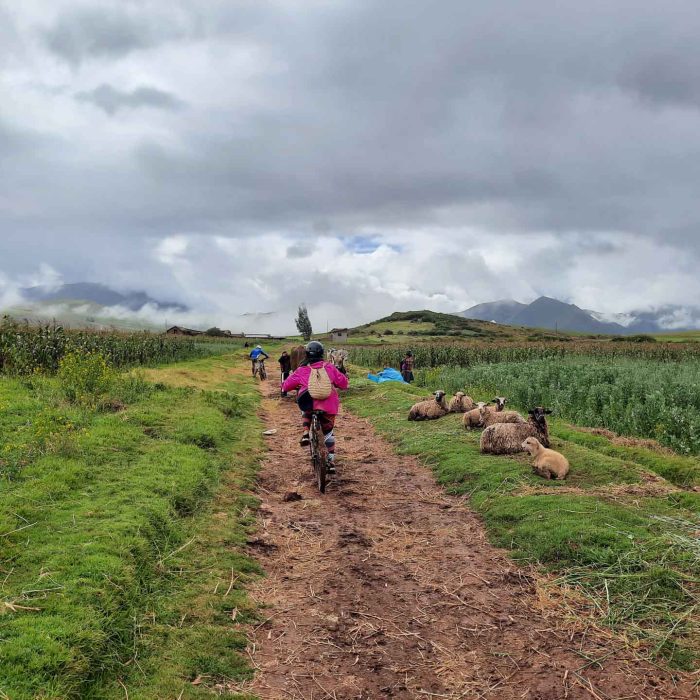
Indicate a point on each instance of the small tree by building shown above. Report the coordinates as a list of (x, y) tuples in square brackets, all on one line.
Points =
[(304, 323), (215, 332)]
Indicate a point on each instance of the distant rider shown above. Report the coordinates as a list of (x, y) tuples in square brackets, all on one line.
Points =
[(255, 355), (285, 363), (299, 379)]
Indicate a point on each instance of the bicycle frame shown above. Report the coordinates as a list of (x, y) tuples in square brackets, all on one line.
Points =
[(319, 452)]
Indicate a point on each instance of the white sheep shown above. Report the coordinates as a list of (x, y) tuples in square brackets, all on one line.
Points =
[(508, 438), (460, 403), (429, 410), (548, 463)]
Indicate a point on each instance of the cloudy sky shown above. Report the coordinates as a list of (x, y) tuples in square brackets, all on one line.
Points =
[(364, 156)]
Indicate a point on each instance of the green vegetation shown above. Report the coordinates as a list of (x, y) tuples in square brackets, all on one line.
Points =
[(632, 397), (122, 521), (626, 543), (25, 349), (469, 353)]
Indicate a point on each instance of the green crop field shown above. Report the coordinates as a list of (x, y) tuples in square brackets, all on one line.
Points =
[(127, 495)]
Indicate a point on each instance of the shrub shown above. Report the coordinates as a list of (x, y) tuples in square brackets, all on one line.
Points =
[(85, 378)]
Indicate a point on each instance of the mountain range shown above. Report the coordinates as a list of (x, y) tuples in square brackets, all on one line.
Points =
[(553, 314), (96, 294)]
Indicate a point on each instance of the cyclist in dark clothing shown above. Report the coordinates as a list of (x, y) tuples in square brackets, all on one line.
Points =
[(285, 362)]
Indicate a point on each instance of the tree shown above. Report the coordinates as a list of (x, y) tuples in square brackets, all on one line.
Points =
[(215, 332), (303, 323)]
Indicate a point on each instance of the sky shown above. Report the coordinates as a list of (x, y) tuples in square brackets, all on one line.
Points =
[(361, 156)]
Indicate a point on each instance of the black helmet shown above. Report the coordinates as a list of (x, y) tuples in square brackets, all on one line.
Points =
[(314, 351)]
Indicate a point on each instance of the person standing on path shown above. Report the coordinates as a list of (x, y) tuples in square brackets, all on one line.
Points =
[(285, 362), (407, 367)]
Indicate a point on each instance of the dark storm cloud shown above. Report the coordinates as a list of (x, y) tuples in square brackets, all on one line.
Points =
[(112, 100), (107, 32)]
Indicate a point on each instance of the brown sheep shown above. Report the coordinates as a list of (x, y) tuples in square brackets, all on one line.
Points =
[(298, 356), (460, 403), (429, 410), (507, 438), (490, 417), (472, 419), (548, 463)]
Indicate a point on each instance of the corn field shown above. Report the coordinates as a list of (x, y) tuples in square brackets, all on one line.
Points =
[(475, 353), (25, 349)]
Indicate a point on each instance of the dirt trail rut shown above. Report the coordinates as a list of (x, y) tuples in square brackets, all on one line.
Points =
[(387, 588)]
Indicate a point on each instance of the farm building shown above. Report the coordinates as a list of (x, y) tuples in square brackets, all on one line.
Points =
[(339, 335), (180, 330)]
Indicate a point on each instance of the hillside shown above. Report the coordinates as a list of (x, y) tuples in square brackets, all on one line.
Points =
[(432, 324)]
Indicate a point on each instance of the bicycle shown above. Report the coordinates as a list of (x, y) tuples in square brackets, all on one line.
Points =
[(319, 452), (260, 370)]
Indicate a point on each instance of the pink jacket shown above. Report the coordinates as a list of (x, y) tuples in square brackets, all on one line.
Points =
[(299, 379)]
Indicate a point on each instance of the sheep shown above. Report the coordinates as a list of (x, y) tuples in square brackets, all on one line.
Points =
[(489, 416), (507, 438), (548, 463), (460, 403), (431, 409), (472, 419), (500, 402)]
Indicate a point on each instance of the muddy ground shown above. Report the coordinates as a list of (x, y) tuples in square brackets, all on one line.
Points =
[(387, 588)]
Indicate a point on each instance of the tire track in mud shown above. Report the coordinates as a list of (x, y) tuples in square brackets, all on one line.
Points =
[(386, 587)]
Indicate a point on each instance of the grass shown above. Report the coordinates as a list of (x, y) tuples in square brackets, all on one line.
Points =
[(615, 529), (642, 398), (121, 562)]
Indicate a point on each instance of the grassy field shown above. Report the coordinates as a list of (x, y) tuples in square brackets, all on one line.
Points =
[(618, 532), (642, 398), (122, 529)]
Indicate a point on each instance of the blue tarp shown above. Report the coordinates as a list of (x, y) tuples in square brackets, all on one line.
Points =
[(387, 375)]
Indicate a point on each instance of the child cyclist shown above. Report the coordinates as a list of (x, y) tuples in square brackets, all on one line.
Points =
[(299, 379)]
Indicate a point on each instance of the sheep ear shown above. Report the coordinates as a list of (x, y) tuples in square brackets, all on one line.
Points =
[(548, 411)]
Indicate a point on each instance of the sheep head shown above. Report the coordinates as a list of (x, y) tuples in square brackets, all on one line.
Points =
[(500, 402), (538, 416), (439, 395), (531, 445)]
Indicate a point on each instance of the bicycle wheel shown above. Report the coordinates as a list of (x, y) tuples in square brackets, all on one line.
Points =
[(319, 455), (263, 373)]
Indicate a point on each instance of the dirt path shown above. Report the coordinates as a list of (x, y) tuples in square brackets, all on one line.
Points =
[(387, 588)]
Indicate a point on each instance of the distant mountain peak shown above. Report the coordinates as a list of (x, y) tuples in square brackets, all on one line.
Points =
[(548, 312), (96, 293)]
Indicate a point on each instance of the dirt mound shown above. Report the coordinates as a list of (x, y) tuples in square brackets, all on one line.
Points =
[(387, 588)]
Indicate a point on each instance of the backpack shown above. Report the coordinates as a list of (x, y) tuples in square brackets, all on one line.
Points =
[(320, 385)]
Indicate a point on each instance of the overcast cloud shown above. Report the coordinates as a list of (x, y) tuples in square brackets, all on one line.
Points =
[(364, 156)]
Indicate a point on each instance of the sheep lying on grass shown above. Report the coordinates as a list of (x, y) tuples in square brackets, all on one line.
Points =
[(508, 438), (491, 417), (548, 463), (472, 419), (429, 410), (460, 403)]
